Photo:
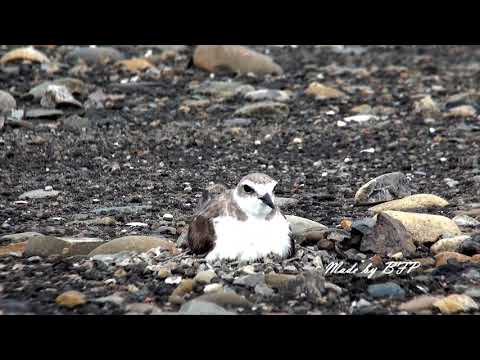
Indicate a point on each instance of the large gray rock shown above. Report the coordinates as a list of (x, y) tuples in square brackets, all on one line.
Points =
[(50, 245), (137, 244), (388, 237), (384, 188)]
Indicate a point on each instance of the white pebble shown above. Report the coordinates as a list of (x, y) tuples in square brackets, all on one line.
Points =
[(173, 280), (212, 288), (168, 217), (297, 140), (341, 123), (48, 188), (137, 224), (258, 142), (370, 151)]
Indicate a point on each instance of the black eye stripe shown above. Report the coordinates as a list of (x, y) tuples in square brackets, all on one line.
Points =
[(247, 189)]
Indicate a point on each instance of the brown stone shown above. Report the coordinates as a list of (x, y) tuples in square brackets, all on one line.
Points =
[(443, 257), (134, 243), (234, 58)]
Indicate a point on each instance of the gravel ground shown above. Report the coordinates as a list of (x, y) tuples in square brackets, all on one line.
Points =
[(154, 143)]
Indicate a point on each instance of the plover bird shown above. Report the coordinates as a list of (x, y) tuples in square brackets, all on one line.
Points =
[(243, 223)]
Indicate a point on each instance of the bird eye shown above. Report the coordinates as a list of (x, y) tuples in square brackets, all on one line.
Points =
[(247, 189)]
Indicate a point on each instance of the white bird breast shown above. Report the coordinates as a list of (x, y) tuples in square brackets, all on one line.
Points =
[(251, 239)]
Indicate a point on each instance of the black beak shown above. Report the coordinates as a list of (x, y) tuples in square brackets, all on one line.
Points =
[(267, 200)]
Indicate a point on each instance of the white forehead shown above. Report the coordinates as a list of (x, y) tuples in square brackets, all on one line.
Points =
[(261, 189)]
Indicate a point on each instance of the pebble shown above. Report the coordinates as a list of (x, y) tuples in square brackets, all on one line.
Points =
[(75, 86), (71, 299), (199, 307), (466, 221), (449, 244), (427, 107), (419, 303), (205, 277), (268, 95), (140, 244), (234, 58), (250, 281), (456, 303), (462, 111), (471, 246), (94, 55), (7, 102), (384, 188), (221, 89), (225, 299), (167, 217), (25, 53), (386, 290), (143, 309), (443, 257), (58, 95), (362, 118), (418, 201), (300, 226), (212, 288), (323, 92), (264, 109), (39, 194), (185, 287), (473, 292), (114, 299), (425, 228)]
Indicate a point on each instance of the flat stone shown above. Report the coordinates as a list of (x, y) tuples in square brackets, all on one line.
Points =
[(264, 109), (49, 245), (199, 307), (221, 89), (20, 237), (268, 95), (25, 53), (384, 188), (43, 113), (7, 102), (419, 303), (323, 92), (96, 55), (449, 244), (443, 257), (456, 303), (389, 236), (466, 221), (71, 299), (418, 201), (143, 309), (464, 111), (39, 194), (301, 225), (234, 58), (113, 299), (138, 244), (387, 290), (237, 122), (425, 228)]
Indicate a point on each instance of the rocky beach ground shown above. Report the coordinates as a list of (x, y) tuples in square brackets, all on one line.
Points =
[(105, 153)]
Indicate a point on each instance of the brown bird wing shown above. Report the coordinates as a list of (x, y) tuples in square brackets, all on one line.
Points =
[(201, 233)]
